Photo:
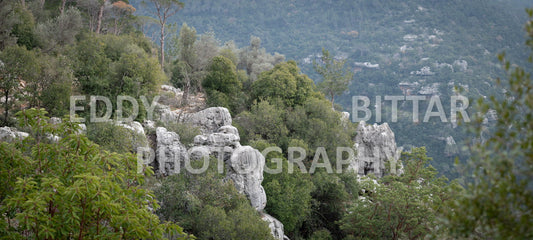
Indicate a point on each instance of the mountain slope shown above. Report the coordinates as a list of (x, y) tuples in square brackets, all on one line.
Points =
[(458, 41)]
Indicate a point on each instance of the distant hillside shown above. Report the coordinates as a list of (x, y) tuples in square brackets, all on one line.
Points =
[(458, 41)]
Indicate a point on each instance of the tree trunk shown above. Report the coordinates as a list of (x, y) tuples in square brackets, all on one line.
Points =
[(100, 16), (62, 9), (6, 108), (186, 89), (162, 41), (116, 27)]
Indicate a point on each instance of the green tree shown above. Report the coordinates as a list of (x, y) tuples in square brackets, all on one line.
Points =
[(335, 78), (284, 81), (55, 83), (59, 31), (70, 188), (264, 121), (114, 138), (24, 27), (7, 21), (498, 202), (17, 65), (109, 65), (209, 207), (221, 83), (288, 194), (182, 71), (403, 206), (256, 60), (164, 10), (91, 66)]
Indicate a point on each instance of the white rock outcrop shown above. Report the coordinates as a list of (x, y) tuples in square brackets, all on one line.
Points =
[(374, 145), (246, 171), (276, 227), (170, 153), (8, 134), (208, 120)]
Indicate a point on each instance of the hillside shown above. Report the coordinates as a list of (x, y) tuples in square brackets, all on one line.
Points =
[(458, 40)]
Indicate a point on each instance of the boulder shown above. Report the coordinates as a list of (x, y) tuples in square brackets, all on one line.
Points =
[(374, 145), (218, 140), (245, 169), (170, 154), (208, 120), (451, 147), (8, 134), (276, 227), (460, 65), (133, 126)]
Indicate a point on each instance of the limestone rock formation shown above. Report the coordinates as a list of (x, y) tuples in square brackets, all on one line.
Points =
[(244, 164), (133, 126), (374, 145), (222, 138), (8, 134), (209, 120), (460, 65), (246, 171), (451, 147), (276, 227), (170, 154)]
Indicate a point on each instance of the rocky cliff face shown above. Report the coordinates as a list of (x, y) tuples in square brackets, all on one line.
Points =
[(244, 164), (170, 153), (374, 146)]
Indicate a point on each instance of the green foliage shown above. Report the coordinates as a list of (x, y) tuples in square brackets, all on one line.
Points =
[(23, 30), (58, 190), (221, 83), (288, 194), (110, 66), (59, 31), (335, 77), (209, 207), (331, 196), (256, 60), (54, 84), (91, 65), (321, 235), (115, 138), (186, 131), (284, 81), (497, 202), (18, 64), (404, 206), (264, 121), (7, 22)]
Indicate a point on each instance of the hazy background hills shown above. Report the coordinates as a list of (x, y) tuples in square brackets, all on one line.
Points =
[(458, 41)]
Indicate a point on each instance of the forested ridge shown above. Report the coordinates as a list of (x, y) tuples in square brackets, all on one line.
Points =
[(60, 179), (401, 37)]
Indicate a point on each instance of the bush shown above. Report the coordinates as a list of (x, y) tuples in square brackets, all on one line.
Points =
[(115, 138), (209, 207)]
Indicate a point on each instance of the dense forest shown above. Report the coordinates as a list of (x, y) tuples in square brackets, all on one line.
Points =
[(458, 40), (278, 78)]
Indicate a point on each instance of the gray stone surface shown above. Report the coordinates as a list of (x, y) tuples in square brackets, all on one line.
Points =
[(276, 227), (374, 146), (244, 164), (8, 134), (209, 120), (170, 154), (245, 169)]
